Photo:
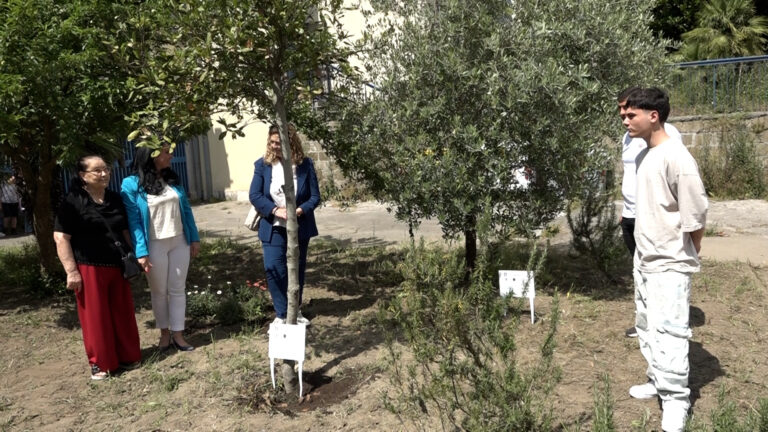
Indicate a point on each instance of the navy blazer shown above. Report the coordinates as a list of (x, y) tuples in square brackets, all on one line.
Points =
[(307, 197)]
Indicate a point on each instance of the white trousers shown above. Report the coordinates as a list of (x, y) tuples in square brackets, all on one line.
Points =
[(662, 301), (167, 281)]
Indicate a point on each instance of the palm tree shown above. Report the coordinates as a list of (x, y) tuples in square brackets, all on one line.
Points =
[(726, 28)]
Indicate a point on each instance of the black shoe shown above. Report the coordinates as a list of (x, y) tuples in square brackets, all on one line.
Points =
[(631, 332), (181, 347), (98, 374), (164, 348), (130, 366)]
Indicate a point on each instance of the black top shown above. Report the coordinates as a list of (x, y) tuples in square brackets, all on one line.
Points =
[(91, 241)]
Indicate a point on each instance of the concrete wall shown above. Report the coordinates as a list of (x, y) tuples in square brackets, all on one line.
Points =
[(706, 129)]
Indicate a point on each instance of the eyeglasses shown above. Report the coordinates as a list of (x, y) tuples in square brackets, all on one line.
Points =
[(105, 170)]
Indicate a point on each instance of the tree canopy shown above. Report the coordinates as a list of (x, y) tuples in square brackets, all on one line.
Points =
[(672, 18), (472, 94), (726, 28), (62, 93), (76, 76)]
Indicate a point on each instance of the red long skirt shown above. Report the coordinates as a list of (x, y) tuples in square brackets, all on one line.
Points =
[(107, 317)]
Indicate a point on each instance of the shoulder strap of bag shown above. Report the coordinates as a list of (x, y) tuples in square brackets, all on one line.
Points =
[(117, 242)]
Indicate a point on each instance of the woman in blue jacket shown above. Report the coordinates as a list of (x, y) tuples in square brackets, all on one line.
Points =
[(164, 236), (267, 196)]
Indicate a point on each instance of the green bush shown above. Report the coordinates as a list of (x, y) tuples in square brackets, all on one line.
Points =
[(595, 228), (20, 267), (735, 168), (213, 294), (463, 369), (227, 303), (726, 417), (603, 409)]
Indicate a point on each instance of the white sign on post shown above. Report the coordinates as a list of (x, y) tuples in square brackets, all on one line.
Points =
[(519, 283), (287, 342)]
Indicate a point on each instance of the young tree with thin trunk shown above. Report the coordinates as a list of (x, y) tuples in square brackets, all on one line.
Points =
[(266, 57)]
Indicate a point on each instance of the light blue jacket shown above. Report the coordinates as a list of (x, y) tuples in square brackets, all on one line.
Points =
[(137, 209)]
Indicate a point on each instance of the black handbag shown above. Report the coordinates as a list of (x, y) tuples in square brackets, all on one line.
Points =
[(132, 270)]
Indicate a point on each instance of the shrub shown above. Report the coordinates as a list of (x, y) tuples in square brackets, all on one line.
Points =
[(463, 369), (20, 267), (734, 168), (595, 227), (227, 303), (603, 409)]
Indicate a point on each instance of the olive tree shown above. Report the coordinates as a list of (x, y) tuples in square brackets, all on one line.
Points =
[(472, 96)]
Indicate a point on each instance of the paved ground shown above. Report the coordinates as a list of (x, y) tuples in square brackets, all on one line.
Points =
[(366, 223), (741, 227)]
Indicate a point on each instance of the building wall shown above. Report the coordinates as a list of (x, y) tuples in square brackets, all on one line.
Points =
[(231, 160)]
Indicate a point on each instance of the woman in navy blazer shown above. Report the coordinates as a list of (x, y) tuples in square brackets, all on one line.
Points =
[(267, 197)]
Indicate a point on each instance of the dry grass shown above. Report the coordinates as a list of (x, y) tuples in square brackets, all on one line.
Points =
[(225, 385)]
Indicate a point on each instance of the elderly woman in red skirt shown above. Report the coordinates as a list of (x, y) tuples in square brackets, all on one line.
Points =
[(85, 223)]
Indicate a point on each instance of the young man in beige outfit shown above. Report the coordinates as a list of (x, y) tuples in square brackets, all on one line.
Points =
[(671, 210), (630, 148)]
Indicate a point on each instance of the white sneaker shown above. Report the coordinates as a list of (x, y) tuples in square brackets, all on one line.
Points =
[(643, 391), (278, 321), (301, 320), (674, 416)]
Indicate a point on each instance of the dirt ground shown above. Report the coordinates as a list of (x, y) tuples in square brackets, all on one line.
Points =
[(225, 384)]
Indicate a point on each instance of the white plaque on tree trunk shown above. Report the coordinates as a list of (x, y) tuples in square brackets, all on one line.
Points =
[(287, 342)]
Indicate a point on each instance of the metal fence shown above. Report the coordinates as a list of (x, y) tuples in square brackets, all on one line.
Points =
[(720, 86), (335, 82), (725, 85), (123, 170)]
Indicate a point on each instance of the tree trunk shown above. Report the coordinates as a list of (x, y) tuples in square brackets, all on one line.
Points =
[(43, 224), (470, 245), (39, 183), (292, 229), (290, 203)]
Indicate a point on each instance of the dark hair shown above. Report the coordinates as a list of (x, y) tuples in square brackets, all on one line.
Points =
[(76, 183), (624, 94), (651, 99), (143, 166)]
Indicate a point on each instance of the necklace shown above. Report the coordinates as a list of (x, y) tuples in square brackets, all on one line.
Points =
[(94, 197)]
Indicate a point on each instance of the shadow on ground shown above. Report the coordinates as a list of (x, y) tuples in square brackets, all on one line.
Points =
[(704, 369)]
